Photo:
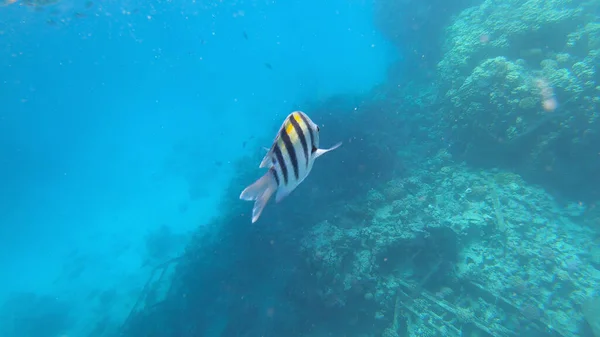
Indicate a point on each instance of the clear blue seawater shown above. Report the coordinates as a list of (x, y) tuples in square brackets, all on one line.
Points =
[(116, 116)]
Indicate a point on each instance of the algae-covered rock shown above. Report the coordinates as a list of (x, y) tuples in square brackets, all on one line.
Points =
[(522, 80), (508, 28), (455, 227), (498, 99)]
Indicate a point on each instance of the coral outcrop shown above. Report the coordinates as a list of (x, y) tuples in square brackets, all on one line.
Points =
[(504, 253), (521, 81)]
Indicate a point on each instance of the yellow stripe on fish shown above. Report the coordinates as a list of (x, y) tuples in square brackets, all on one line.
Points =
[(289, 128), (282, 148), (291, 131)]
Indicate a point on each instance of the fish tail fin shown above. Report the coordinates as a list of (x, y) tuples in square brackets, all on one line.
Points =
[(321, 152), (261, 191)]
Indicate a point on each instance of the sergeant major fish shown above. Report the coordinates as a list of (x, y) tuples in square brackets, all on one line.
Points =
[(290, 159)]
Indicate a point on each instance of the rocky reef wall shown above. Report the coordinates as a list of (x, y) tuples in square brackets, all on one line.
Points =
[(520, 83)]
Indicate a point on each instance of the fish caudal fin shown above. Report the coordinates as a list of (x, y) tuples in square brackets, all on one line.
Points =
[(321, 152), (261, 191)]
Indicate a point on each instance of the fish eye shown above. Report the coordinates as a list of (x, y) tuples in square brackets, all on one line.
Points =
[(318, 129)]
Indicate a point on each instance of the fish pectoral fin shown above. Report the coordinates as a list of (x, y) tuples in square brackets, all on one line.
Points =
[(321, 152), (266, 159), (281, 193)]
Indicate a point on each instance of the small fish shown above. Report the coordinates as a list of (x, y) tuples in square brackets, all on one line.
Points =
[(269, 66), (245, 35), (289, 160)]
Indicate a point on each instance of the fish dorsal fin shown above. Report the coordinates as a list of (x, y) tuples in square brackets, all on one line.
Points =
[(321, 152)]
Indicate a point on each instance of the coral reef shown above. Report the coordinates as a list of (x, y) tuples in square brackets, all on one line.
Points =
[(457, 234), (521, 80)]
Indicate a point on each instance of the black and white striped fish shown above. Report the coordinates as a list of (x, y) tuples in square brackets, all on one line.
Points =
[(290, 159)]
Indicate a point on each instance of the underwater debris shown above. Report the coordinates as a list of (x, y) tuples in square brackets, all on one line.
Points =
[(392, 331), (155, 291), (439, 315)]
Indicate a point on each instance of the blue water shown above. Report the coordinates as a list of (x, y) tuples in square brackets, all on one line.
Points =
[(464, 201), (109, 119)]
